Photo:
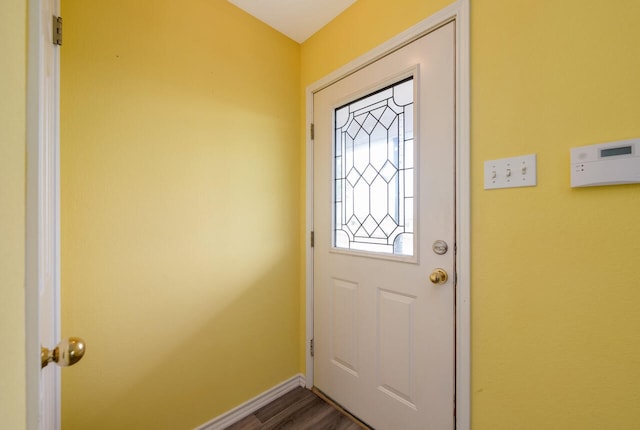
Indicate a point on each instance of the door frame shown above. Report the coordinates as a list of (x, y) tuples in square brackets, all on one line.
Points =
[(458, 11)]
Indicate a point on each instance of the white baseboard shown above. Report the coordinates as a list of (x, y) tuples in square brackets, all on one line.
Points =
[(236, 414)]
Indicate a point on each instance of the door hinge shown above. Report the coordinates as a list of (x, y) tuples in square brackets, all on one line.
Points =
[(312, 239), (312, 131), (57, 30), (311, 350)]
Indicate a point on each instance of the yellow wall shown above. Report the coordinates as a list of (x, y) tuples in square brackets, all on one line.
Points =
[(555, 273), (13, 42), (555, 270), (179, 211)]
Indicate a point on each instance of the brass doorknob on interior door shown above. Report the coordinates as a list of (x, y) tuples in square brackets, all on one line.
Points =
[(438, 276), (67, 353)]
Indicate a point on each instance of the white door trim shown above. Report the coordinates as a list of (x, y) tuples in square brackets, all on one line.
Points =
[(42, 257), (458, 11)]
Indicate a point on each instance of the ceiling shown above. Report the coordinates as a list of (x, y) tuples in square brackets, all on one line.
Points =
[(298, 19)]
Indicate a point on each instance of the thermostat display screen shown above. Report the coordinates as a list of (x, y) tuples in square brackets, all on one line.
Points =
[(622, 150)]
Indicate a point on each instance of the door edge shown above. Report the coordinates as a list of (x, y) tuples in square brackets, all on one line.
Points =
[(41, 188)]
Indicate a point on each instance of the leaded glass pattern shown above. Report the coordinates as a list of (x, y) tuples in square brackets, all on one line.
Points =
[(374, 172)]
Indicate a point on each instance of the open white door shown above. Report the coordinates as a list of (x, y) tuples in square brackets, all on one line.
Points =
[(385, 239), (49, 284), (43, 218)]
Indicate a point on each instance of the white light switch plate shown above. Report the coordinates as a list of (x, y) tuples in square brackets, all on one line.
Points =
[(510, 172)]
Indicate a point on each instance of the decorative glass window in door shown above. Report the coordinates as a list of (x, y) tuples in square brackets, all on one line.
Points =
[(374, 172)]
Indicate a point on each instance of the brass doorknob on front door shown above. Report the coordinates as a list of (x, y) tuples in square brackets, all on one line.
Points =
[(438, 276), (67, 353)]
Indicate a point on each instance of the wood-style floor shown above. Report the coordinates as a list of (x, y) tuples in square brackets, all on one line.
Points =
[(299, 409)]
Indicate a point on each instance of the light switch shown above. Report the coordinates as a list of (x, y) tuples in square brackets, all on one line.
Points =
[(510, 172)]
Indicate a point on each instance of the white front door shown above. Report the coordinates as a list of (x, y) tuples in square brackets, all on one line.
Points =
[(384, 221)]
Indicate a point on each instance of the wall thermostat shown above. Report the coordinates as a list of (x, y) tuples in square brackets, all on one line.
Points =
[(606, 164)]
